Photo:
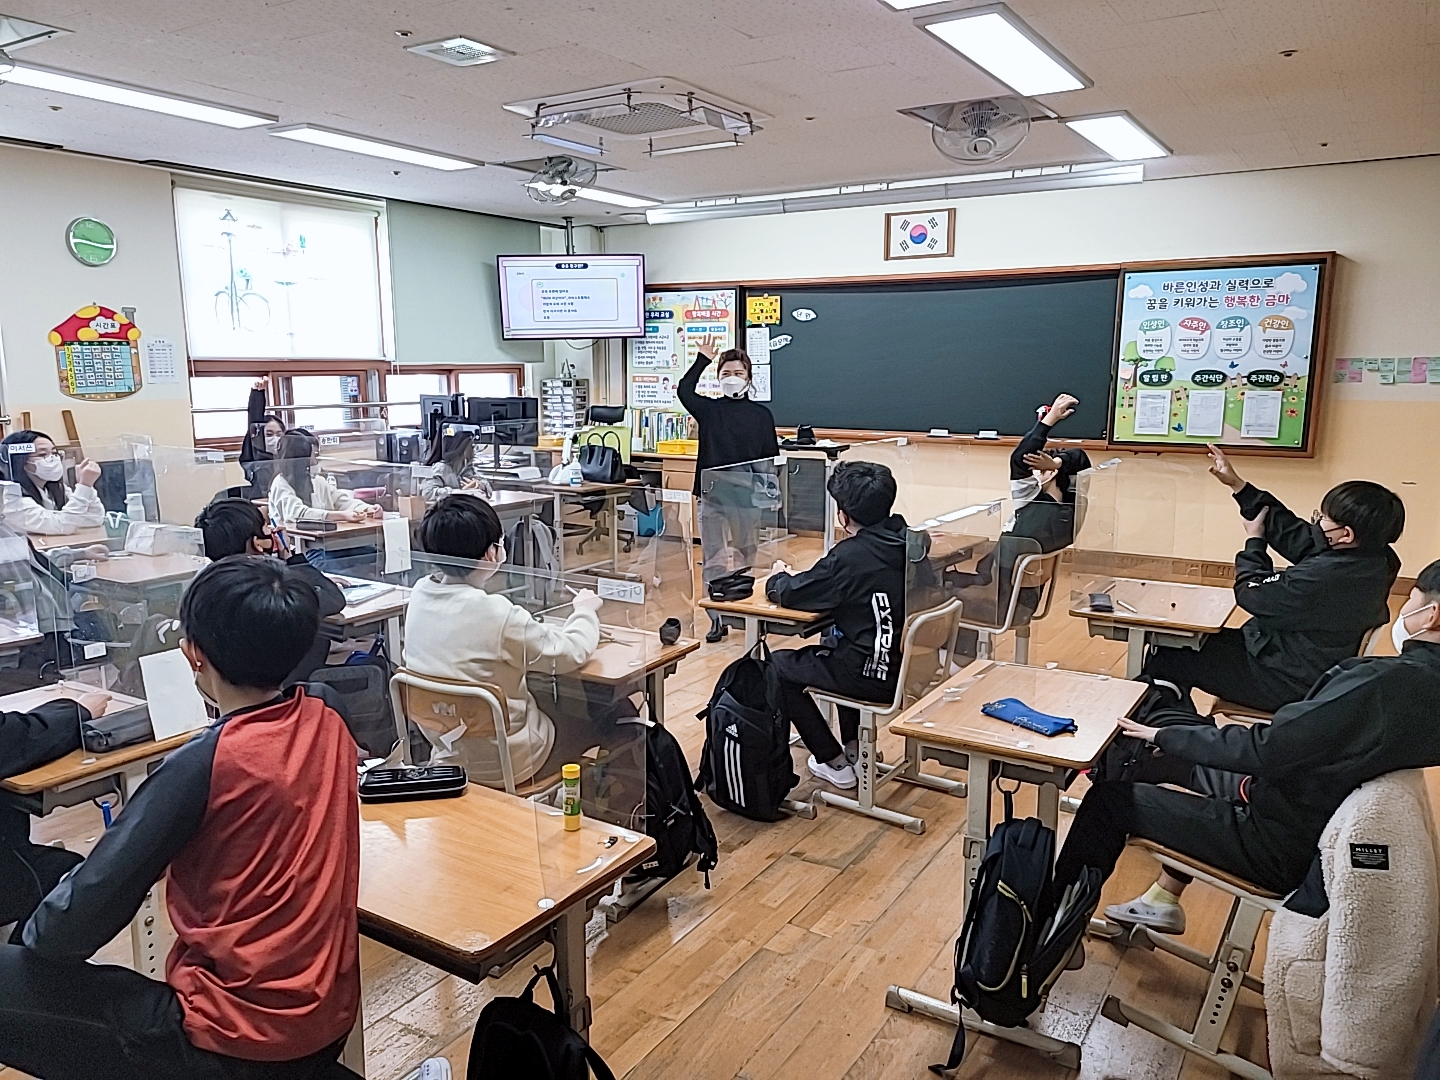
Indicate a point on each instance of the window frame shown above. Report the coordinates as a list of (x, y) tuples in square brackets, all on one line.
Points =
[(374, 400)]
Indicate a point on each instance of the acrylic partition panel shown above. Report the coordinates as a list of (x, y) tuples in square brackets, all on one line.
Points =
[(931, 478), (967, 555), (19, 619), (745, 521), (143, 481)]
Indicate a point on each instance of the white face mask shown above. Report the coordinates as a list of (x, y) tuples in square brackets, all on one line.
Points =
[(732, 386), (50, 468), (272, 443), (1398, 634)]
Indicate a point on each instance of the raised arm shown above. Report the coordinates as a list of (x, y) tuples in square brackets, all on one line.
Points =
[(688, 389)]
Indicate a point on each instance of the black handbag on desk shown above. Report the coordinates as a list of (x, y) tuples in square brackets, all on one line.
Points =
[(601, 463)]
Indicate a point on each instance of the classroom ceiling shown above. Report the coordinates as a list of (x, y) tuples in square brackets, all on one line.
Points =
[(1205, 76)]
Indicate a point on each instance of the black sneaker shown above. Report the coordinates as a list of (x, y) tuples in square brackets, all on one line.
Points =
[(717, 632)]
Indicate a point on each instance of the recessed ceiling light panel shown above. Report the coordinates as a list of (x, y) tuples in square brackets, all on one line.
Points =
[(1118, 135), (59, 82), (459, 52), (339, 140), (995, 39)]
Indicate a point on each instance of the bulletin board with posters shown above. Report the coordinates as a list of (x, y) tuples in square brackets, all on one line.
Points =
[(676, 322), (1230, 352)]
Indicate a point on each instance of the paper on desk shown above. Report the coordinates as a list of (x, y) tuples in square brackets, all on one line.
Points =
[(175, 705), (396, 532)]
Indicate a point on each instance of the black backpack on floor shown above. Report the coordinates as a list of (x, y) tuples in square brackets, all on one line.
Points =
[(746, 765), (674, 816), (1012, 947), (514, 1037)]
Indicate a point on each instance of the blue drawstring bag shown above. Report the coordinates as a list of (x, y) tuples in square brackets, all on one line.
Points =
[(1014, 711)]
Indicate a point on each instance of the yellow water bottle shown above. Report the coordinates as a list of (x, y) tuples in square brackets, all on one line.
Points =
[(570, 779)]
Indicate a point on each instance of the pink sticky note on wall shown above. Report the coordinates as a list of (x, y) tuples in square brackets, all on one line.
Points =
[(1419, 369)]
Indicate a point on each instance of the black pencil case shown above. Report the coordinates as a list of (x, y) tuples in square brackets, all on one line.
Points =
[(412, 782)]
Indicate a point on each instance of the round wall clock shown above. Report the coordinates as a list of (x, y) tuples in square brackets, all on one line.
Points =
[(91, 241)]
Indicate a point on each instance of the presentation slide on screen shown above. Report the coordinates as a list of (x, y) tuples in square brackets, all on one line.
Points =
[(572, 296), (1217, 355)]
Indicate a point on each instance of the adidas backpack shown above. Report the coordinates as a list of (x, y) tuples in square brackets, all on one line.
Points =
[(674, 816), (1018, 934), (746, 765)]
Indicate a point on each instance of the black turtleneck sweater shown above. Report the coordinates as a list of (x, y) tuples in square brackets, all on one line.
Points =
[(732, 430)]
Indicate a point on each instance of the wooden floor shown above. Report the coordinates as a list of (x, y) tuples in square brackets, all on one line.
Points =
[(780, 969)]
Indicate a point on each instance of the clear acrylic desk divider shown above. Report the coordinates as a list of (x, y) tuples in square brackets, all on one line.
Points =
[(746, 517)]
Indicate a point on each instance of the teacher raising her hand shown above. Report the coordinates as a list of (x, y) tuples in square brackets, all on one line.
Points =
[(733, 429)]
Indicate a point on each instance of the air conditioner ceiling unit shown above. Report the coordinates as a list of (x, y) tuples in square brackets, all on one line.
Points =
[(644, 109)]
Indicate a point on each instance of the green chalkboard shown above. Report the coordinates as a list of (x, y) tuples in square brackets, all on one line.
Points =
[(968, 355)]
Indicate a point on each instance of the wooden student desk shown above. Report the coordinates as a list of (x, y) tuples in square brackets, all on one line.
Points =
[(958, 734), (1165, 613), (762, 617), (635, 651), (78, 539), (559, 494), (79, 777), (345, 534), (473, 885), (387, 607), (127, 568)]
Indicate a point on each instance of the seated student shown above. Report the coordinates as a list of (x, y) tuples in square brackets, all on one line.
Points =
[(1305, 617), (299, 491), (450, 468), (27, 741), (262, 439), (36, 499), (1367, 717), (255, 824), (861, 582), (456, 630), (237, 527), (1042, 484)]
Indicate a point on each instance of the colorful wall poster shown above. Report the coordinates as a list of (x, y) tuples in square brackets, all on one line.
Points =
[(677, 323), (1223, 355)]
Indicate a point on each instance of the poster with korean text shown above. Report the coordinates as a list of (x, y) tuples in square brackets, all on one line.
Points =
[(677, 324), (1218, 355)]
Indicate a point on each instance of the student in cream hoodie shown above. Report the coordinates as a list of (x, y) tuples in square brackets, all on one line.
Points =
[(456, 631)]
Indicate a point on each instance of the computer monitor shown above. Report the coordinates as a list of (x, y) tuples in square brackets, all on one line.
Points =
[(507, 421), (435, 408)]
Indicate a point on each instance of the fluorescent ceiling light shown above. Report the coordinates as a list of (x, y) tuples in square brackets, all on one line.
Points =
[(338, 140), (614, 198), (568, 144), (1119, 136), (995, 39), (905, 5), (60, 83), (724, 144)]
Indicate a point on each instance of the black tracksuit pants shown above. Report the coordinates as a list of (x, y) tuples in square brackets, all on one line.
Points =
[(66, 1021), (824, 669), (1224, 667)]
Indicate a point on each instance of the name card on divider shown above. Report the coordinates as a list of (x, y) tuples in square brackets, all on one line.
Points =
[(175, 704)]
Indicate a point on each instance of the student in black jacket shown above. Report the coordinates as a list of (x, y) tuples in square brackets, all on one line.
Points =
[(237, 527), (262, 438), (1367, 717), (1042, 483), (1305, 617), (27, 741), (733, 429), (861, 583)]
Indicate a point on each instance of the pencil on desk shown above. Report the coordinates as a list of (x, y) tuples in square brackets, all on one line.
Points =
[(1127, 607)]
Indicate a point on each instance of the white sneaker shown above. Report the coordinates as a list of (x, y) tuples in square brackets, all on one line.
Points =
[(1164, 918), (841, 778), (432, 1069)]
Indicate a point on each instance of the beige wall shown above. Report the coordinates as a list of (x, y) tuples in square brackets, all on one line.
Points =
[(1382, 217), (41, 285)]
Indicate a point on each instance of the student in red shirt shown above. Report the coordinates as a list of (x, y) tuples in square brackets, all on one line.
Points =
[(255, 824)]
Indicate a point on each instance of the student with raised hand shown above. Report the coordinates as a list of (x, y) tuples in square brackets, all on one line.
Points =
[(1305, 617), (733, 429), (450, 468), (456, 630), (861, 583), (299, 491), (262, 438), (1366, 717), (1042, 483), (255, 825), (237, 527), (35, 499), (28, 740)]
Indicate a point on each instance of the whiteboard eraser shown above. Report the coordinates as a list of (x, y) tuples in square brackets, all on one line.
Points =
[(988, 435), (939, 433)]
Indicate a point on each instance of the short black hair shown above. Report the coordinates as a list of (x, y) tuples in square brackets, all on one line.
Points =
[(865, 490), (1429, 580), (460, 527), (229, 525), (252, 618), (1375, 513)]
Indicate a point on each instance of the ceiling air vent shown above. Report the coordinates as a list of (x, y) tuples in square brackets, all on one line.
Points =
[(459, 51), (644, 118), (18, 33), (644, 109)]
